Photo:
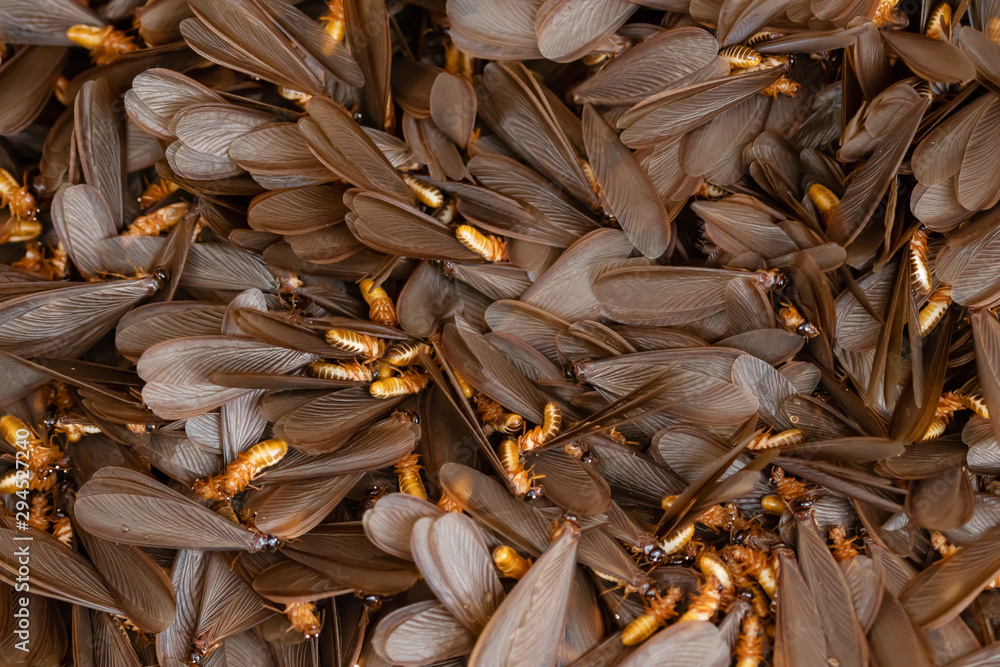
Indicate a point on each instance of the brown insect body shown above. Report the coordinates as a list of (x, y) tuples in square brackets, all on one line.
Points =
[(448, 504), (467, 390), (975, 402), (105, 44), (238, 474), (993, 29), (710, 191), (159, 221), (360, 345), (350, 371), (660, 610), (489, 247), (773, 505), (493, 415), (62, 530), (885, 13), (294, 95), (792, 321), (35, 260), (408, 471), (762, 37), (678, 539), (511, 564)]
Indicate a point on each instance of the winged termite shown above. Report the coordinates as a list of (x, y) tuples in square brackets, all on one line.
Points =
[(16, 198), (105, 44), (242, 471)]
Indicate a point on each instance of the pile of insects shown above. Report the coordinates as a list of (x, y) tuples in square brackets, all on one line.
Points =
[(513, 333)]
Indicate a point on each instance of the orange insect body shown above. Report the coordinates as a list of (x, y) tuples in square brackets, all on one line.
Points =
[(920, 272), (16, 230), (740, 57), (773, 505), (408, 471), (159, 221), (935, 308), (710, 191), (706, 603), (156, 192), (549, 428), (762, 37), (35, 261), (789, 488), (467, 390), (458, 62), (660, 610), (238, 474), (448, 504), (38, 515), (294, 95), (588, 172), (939, 22), (76, 432), (884, 13), (750, 645), (36, 482), (18, 200), (947, 406), (843, 548), (993, 30), (346, 371), (38, 456), (360, 345), (947, 550), (105, 44), (333, 21), (975, 402), (137, 428), (404, 354), (426, 194), (824, 200), (494, 416), (716, 570), (784, 439), (410, 382), (755, 563), (381, 310), (520, 477), (793, 321), (722, 517), (489, 247), (679, 538), (62, 530), (302, 616), (511, 564)]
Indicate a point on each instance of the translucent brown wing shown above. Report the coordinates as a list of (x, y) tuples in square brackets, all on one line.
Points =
[(496, 30), (32, 71), (367, 24), (528, 625), (570, 29), (626, 188), (420, 634), (123, 506), (83, 220), (454, 559)]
